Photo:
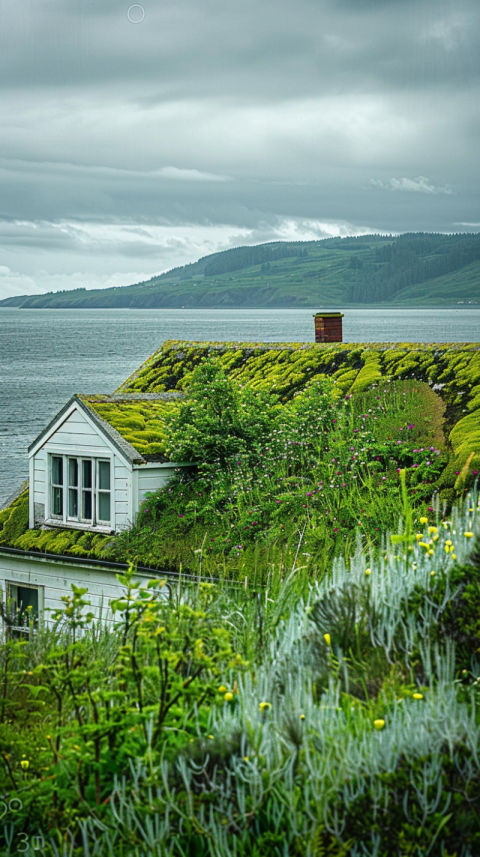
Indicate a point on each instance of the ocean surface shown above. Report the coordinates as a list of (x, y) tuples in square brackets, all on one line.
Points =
[(47, 355)]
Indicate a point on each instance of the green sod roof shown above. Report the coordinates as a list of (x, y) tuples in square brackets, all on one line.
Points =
[(452, 369), (138, 419)]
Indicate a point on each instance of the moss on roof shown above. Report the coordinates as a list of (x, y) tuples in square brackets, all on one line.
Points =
[(14, 519), (284, 368), (139, 420), (14, 533)]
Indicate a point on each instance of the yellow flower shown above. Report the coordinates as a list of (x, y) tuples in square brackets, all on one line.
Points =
[(419, 536), (433, 530), (25, 764), (454, 555), (327, 639), (222, 689), (263, 706), (302, 717), (379, 724), (418, 695), (430, 552), (448, 542), (424, 520), (368, 571), (246, 759), (210, 736), (228, 697), (432, 573), (468, 535)]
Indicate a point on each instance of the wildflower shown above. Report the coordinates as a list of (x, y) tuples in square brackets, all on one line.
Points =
[(25, 764), (423, 520), (246, 759), (432, 572), (433, 530), (468, 535), (418, 695), (222, 689), (302, 717), (368, 571), (228, 697), (180, 516), (327, 639), (210, 736), (379, 724), (264, 706), (454, 555)]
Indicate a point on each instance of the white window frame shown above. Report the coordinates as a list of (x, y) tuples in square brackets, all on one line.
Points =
[(9, 595), (66, 520)]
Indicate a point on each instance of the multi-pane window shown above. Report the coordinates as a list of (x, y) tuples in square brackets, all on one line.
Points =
[(84, 493)]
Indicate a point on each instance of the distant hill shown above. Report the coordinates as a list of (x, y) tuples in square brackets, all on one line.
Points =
[(415, 269)]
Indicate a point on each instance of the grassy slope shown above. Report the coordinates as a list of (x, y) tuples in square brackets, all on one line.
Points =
[(320, 279)]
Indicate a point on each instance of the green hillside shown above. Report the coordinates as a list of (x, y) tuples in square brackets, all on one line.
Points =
[(418, 269)]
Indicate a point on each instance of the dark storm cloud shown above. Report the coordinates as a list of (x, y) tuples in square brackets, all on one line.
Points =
[(252, 120)]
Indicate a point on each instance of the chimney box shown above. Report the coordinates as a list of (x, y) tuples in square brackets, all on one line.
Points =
[(328, 326)]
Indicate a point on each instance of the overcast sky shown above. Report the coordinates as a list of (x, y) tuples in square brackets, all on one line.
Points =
[(128, 146)]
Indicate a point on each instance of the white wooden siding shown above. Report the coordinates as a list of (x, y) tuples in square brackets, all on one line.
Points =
[(75, 436), (40, 471), (152, 479), (56, 578)]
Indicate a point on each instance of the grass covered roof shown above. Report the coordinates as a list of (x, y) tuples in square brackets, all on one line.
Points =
[(453, 369), (138, 418)]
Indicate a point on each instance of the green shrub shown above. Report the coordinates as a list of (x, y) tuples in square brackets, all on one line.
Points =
[(14, 520)]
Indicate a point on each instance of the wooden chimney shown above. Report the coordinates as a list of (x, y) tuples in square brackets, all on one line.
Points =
[(328, 326)]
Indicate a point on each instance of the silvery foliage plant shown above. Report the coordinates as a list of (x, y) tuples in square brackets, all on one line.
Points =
[(303, 758)]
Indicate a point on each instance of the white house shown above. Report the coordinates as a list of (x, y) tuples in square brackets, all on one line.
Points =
[(86, 474), (89, 469)]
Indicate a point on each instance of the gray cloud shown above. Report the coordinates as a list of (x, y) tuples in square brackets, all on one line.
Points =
[(418, 185), (129, 148)]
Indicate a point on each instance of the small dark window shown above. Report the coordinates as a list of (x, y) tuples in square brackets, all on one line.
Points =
[(23, 607)]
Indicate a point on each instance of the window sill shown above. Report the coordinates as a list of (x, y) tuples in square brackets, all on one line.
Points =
[(78, 525)]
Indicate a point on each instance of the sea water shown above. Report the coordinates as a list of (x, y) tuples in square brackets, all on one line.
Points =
[(47, 355)]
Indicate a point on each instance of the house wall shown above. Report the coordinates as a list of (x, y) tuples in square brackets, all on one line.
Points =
[(55, 577), (151, 477), (76, 436)]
